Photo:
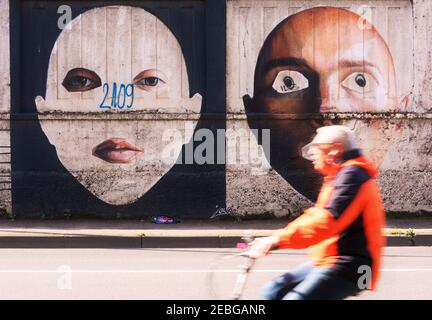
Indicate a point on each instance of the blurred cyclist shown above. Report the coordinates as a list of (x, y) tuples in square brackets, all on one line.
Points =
[(342, 230)]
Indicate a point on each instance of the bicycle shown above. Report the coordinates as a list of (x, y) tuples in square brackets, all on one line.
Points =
[(239, 264)]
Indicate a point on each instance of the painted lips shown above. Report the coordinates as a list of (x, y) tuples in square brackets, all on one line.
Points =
[(117, 150)]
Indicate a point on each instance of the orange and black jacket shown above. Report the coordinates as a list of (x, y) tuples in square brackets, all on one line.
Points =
[(344, 229)]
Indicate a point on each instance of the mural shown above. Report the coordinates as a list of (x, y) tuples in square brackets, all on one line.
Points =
[(200, 108), (117, 107), (320, 60), (130, 61)]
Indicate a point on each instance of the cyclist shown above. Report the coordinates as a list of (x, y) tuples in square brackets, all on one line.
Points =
[(342, 230)]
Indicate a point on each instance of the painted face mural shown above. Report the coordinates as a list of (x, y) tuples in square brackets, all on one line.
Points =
[(123, 65), (321, 60)]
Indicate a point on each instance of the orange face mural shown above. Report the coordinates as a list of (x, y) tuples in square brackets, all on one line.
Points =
[(320, 60)]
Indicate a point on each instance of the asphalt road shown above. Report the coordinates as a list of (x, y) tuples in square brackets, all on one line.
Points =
[(178, 273)]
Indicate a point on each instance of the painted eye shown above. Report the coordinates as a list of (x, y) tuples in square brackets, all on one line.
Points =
[(288, 81), (360, 82), (79, 82), (149, 80), (80, 79)]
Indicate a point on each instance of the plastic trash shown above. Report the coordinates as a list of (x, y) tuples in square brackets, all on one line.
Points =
[(164, 219)]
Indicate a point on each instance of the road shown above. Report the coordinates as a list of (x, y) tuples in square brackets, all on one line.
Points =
[(177, 273)]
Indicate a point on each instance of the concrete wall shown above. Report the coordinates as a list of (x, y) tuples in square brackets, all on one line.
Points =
[(387, 138), (181, 74), (5, 102)]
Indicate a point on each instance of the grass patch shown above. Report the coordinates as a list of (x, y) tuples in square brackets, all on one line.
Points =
[(401, 232)]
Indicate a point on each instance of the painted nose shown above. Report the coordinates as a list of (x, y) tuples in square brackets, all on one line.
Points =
[(328, 100)]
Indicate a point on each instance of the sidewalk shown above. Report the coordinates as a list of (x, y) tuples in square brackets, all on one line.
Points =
[(187, 234)]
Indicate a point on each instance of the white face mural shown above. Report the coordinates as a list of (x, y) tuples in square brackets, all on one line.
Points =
[(112, 64)]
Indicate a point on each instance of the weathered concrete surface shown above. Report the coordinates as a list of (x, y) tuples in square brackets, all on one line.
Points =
[(400, 145), (249, 23), (5, 194), (5, 166), (4, 57), (118, 184), (406, 172), (422, 92), (249, 194)]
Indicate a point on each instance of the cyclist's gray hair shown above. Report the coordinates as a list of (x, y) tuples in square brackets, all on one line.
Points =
[(337, 134)]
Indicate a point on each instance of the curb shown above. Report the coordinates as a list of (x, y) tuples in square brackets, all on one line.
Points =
[(138, 242)]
